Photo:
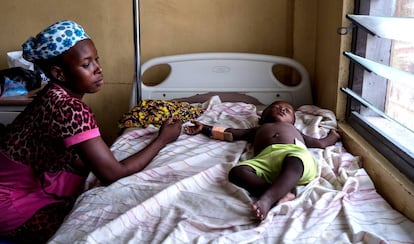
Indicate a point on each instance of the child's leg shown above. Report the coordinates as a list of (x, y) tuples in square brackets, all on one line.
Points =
[(245, 177), (292, 170)]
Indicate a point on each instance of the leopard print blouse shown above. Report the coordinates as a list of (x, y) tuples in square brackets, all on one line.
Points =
[(37, 135)]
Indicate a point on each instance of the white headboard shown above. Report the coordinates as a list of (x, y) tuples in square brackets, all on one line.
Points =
[(247, 73)]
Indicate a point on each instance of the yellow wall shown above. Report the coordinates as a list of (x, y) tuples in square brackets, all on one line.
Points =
[(108, 22), (302, 29), (182, 26)]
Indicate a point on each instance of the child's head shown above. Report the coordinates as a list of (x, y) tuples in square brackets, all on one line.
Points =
[(278, 111), (67, 55)]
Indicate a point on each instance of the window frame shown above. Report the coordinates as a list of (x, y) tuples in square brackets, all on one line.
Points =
[(389, 149)]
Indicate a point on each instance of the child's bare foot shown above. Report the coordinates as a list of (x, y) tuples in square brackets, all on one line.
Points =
[(262, 206), (259, 210)]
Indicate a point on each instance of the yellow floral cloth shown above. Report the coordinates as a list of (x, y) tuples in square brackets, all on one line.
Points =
[(155, 112)]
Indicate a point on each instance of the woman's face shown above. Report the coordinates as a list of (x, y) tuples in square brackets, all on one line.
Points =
[(82, 71)]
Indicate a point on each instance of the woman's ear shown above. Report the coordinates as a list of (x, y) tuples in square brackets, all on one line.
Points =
[(57, 73)]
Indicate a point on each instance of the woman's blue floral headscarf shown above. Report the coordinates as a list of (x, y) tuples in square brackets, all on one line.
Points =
[(53, 41)]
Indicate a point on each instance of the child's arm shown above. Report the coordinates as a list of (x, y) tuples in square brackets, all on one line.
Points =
[(243, 134), (329, 140), (236, 134)]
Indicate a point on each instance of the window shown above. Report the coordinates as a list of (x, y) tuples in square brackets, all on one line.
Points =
[(381, 85)]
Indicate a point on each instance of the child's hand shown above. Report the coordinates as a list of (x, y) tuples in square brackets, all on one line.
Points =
[(194, 129), (335, 134)]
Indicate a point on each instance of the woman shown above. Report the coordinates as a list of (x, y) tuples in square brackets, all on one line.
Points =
[(55, 142)]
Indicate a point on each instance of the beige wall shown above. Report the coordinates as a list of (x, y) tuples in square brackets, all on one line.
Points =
[(108, 22), (327, 53), (183, 26)]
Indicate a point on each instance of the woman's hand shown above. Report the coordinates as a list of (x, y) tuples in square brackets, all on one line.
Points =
[(96, 155), (194, 129), (170, 130)]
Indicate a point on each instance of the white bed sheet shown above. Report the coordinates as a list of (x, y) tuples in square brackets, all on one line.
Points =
[(184, 196)]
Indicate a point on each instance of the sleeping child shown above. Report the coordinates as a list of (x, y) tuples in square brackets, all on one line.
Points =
[(281, 160)]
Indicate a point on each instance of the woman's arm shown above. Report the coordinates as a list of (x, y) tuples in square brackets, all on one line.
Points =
[(99, 158)]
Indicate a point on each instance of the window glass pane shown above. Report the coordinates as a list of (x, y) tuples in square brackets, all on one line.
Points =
[(386, 27), (400, 94), (389, 126), (393, 97)]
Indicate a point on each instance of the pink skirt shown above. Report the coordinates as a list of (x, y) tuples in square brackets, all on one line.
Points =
[(21, 192)]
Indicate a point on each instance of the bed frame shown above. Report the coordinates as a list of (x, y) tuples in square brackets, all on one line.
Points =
[(246, 73)]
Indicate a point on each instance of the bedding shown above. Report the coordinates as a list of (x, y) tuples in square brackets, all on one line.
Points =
[(155, 112), (184, 196)]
